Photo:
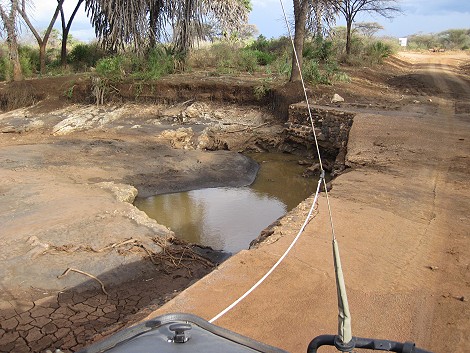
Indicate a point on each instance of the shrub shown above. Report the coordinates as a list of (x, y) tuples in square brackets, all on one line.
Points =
[(248, 61), (112, 67), (225, 57), (260, 44), (26, 67), (377, 51), (84, 56), (312, 73), (158, 62), (29, 59), (282, 65), (6, 71), (319, 49), (264, 58)]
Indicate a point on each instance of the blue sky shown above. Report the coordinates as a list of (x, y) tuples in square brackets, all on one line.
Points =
[(428, 16)]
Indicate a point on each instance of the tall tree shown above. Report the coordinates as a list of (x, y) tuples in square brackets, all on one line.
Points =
[(156, 20), (9, 24), (42, 41), (309, 15), (368, 29), (350, 8), (140, 23), (300, 21), (66, 30), (120, 23), (192, 15)]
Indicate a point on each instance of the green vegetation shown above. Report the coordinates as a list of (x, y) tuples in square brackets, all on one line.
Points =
[(271, 58), (84, 56), (452, 39)]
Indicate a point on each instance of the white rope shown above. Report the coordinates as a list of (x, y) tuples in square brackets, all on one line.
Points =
[(322, 179), (310, 116), (257, 284)]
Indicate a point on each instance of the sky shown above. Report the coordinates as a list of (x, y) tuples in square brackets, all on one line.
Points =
[(419, 16)]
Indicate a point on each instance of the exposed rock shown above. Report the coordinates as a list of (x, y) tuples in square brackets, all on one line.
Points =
[(208, 141), (337, 98), (122, 192), (195, 111), (180, 138), (85, 118), (311, 171)]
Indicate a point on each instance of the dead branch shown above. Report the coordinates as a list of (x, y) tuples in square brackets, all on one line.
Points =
[(114, 245), (247, 128), (66, 272)]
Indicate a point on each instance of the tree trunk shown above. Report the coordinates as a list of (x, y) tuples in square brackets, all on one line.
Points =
[(63, 49), (300, 15), (153, 25), (9, 21), (15, 58), (42, 57), (66, 31), (348, 37), (318, 18), (42, 42)]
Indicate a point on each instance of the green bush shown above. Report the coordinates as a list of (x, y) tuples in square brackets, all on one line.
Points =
[(378, 51), (247, 61), (282, 65), (312, 73), (319, 49), (83, 56), (274, 47), (112, 68), (26, 67), (158, 62), (29, 59), (6, 71), (260, 44), (224, 57), (264, 58)]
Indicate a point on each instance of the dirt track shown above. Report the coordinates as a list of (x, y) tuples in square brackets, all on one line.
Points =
[(402, 219), (400, 213)]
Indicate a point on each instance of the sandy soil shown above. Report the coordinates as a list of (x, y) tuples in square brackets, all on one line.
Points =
[(401, 215), (69, 173)]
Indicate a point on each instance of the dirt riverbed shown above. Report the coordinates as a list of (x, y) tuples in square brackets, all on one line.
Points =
[(70, 172)]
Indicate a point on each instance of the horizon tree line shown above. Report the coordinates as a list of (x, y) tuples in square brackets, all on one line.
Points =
[(138, 25)]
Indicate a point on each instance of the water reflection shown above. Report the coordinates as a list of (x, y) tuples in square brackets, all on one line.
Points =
[(230, 218)]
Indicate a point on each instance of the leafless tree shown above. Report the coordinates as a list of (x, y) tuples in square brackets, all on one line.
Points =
[(8, 14), (350, 8)]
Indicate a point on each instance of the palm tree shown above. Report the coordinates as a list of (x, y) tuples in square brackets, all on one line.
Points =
[(141, 23)]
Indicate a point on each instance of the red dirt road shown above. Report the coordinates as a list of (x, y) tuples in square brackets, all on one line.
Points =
[(401, 215)]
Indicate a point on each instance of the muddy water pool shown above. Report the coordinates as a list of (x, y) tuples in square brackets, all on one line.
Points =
[(229, 218)]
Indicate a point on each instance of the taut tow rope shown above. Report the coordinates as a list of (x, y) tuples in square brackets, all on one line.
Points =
[(344, 317)]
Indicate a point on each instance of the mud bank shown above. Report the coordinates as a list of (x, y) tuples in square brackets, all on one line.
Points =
[(68, 178)]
